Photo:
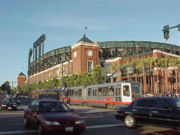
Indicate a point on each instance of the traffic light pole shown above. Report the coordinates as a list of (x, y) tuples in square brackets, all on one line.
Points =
[(166, 29)]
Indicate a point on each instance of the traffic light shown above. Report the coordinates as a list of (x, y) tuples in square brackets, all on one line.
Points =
[(179, 27), (166, 32)]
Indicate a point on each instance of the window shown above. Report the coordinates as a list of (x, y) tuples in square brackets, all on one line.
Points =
[(105, 91), (146, 103), (126, 90), (118, 91), (90, 65), (80, 92), (89, 92), (160, 104), (100, 92), (108, 68), (111, 91)]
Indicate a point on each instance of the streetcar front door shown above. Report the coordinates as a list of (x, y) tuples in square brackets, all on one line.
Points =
[(126, 94)]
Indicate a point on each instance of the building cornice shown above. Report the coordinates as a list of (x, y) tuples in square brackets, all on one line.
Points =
[(59, 65), (165, 53), (81, 43), (113, 60)]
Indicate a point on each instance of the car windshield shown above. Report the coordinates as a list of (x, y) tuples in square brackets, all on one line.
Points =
[(175, 102), (53, 107)]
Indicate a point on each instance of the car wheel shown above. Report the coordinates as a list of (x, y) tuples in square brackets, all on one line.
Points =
[(26, 123), (129, 121), (40, 130)]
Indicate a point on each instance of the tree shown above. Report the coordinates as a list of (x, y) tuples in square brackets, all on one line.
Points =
[(97, 75), (6, 87)]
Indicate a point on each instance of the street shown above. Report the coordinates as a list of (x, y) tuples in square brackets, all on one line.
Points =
[(98, 121)]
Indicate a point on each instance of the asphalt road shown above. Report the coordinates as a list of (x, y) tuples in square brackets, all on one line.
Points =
[(98, 121)]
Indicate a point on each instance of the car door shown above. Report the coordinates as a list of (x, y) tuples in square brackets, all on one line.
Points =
[(35, 114), (29, 113), (142, 109), (163, 113)]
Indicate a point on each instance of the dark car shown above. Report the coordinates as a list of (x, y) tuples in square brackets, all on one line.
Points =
[(156, 110), (50, 116), (8, 104)]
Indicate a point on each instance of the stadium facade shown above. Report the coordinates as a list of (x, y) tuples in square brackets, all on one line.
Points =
[(86, 54)]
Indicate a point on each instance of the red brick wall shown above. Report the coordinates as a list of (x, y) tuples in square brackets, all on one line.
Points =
[(21, 80)]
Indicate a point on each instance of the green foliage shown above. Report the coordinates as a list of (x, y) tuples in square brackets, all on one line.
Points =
[(6, 87), (150, 63), (98, 75)]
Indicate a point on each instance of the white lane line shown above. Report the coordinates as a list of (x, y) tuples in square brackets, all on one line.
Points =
[(91, 117), (8, 113), (17, 132), (103, 126), (34, 131)]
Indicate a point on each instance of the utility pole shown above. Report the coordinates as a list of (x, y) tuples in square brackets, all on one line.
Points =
[(166, 31)]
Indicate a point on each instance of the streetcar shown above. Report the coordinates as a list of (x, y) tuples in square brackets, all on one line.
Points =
[(110, 95)]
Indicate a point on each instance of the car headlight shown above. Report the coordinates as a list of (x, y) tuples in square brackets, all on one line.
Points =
[(55, 123), (14, 105), (79, 122)]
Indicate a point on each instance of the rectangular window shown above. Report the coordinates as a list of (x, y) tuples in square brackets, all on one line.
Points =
[(108, 68), (89, 92), (90, 65)]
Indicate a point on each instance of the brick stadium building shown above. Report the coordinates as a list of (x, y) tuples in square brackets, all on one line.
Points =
[(85, 54), (21, 79)]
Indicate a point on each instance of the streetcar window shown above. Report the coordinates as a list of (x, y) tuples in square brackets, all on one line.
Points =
[(80, 92), (126, 90), (89, 92), (105, 91), (100, 92), (111, 91), (118, 91)]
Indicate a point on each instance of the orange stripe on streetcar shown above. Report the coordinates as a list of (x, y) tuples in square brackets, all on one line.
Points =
[(102, 102)]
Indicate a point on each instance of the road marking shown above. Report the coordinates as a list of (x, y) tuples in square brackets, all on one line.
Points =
[(34, 131), (91, 117), (17, 132), (9, 113), (103, 126)]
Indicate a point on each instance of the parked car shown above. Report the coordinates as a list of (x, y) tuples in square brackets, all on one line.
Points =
[(8, 104), (153, 110), (50, 116)]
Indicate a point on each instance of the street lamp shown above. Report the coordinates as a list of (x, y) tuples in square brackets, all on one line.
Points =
[(62, 74)]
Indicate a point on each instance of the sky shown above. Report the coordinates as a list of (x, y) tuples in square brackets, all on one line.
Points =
[(22, 22)]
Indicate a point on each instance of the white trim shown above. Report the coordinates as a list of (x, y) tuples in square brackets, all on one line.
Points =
[(170, 54), (81, 43), (114, 60), (59, 65), (172, 68)]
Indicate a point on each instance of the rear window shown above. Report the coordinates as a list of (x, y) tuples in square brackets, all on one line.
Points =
[(53, 107)]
